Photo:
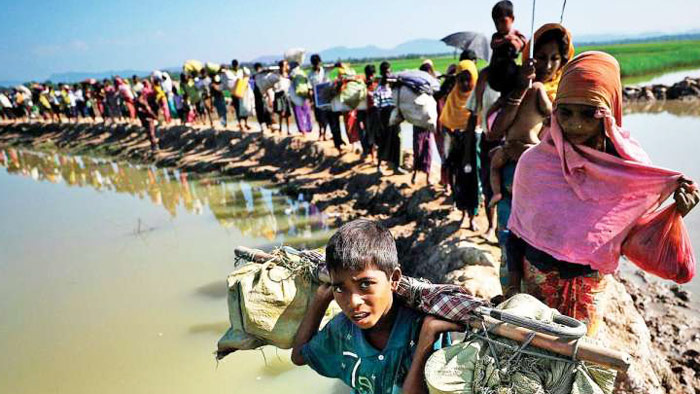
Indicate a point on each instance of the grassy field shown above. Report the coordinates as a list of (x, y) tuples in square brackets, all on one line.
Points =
[(635, 59), (652, 57)]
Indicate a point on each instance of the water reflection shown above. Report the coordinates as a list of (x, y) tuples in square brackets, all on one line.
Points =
[(664, 77), (673, 107), (256, 210)]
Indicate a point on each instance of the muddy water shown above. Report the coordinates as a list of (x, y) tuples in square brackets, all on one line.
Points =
[(112, 278), (668, 78), (671, 137)]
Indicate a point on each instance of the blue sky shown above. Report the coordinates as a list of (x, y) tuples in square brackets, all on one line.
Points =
[(38, 38)]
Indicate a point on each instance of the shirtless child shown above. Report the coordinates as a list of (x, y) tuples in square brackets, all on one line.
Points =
[(534, 104)]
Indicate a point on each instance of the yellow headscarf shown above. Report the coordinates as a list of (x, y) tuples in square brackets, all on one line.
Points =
[(455, 114), (551, 86)]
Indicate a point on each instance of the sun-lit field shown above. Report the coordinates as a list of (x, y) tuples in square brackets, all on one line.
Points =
[(650, 57), (635, 59)]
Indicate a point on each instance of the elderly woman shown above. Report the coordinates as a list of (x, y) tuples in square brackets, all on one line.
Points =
[(579, 192)]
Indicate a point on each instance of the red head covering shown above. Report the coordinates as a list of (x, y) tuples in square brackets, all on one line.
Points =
[(592, 78)]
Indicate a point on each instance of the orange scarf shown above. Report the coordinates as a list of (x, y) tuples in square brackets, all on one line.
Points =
[(552, 85), (455, 114)]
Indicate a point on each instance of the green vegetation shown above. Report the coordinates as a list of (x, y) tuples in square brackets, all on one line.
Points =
[(635, 59), (650, 57)]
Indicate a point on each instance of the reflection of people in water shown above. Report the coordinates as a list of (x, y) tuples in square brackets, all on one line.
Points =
[(256, 211)]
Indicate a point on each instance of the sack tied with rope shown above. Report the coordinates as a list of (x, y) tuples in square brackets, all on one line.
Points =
[(486, 363)]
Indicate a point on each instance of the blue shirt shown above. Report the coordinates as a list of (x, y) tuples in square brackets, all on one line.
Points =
[(341, 351)]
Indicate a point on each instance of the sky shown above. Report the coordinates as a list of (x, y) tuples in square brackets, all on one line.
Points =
[(38, 38)]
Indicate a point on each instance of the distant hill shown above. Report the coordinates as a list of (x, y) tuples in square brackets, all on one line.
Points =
[(9, 84), (417, 47)]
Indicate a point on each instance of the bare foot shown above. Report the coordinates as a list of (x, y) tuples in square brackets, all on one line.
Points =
[(472, 225), (490, 235), (495, 199)]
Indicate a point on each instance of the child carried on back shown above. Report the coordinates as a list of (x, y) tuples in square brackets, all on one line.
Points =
[(377, 345)]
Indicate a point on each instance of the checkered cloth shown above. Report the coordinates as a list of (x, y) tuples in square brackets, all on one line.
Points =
[(449, 302)]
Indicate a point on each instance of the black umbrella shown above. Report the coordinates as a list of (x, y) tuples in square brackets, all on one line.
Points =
[(464, 40)]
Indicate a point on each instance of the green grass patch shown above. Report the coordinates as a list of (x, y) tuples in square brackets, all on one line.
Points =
[(650, 57), (635, 59)]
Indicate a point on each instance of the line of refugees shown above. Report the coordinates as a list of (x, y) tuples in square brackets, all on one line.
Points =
[(572, 190)]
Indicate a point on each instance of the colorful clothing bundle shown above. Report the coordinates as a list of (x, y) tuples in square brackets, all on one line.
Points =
[(449, 302)]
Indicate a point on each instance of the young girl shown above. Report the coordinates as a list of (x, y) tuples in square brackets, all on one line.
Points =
[(553, 49)]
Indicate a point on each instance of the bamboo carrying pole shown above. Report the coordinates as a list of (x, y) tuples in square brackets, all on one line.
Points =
[(608, 358)]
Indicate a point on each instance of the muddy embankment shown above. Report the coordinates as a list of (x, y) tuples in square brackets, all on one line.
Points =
[(687, 89), (652, 322)]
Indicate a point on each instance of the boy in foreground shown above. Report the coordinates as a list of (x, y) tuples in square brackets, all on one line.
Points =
[(377, 345)]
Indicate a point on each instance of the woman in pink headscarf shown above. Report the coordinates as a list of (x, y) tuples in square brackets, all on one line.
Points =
[(578, 193)]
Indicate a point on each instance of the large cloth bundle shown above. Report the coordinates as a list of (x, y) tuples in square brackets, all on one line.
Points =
[(414, 99), (300, 83), (212, 68), (419, 81), (192, 67), (228, 79), (266, 80), (267, 301), (352, 90), (418, 109), (477, 365), (295, 55)]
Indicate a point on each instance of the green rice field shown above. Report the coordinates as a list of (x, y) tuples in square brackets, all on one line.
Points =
[(636, 59)]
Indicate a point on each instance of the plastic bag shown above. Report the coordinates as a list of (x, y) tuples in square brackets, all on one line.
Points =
[(659, 244)]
